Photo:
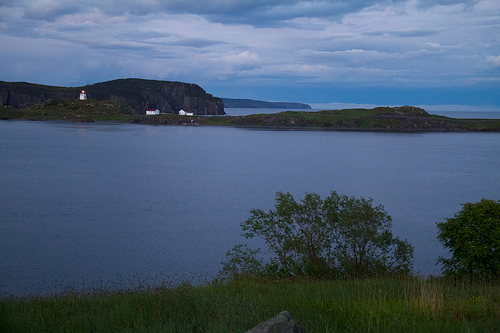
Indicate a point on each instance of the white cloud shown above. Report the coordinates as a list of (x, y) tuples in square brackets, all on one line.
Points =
[(493, 61)]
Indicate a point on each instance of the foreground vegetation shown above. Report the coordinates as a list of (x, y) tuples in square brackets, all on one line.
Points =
[(246, 293), (473, 238), (339, 236), (367, 305)]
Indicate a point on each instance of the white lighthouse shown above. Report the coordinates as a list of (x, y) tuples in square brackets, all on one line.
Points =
[(83, 95)]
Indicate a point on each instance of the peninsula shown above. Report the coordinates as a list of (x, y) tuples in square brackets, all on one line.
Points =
[(127, 100)]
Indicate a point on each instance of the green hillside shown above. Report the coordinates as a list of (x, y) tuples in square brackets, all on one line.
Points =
[(406, 118)]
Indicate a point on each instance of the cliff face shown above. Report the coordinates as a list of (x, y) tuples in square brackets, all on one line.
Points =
[(167, 96), (21, 95)]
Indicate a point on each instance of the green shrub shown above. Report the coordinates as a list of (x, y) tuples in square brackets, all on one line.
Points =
[(473, 238), (338, 236)]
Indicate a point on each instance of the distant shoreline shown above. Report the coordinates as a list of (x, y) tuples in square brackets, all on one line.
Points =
[(235, 103), (380, 119)]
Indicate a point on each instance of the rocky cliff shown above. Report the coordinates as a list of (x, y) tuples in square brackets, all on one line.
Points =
[(139, 94)]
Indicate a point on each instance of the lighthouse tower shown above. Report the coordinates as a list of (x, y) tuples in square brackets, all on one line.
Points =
[(83, 95)]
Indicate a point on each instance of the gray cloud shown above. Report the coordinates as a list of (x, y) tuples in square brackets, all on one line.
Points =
[(409, 32), (197, 42), (432, 3), (261, 42), (253, 12)]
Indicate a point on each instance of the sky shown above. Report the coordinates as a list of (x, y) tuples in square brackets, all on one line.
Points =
[(436, 54)]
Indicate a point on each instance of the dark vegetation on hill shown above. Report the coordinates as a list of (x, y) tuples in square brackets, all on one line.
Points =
[(71, 110), (138, 94), (405, 118), (251, 103)]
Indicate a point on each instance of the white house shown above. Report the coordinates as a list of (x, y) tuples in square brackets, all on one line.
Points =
[(83, 95), (184, 113), (152, 112)]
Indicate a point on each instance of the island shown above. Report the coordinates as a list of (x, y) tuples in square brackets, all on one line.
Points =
[(403, 118)]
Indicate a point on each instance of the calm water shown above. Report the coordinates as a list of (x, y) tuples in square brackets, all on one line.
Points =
[(114, 203)]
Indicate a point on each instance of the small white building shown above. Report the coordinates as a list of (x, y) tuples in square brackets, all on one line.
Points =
[(83, 96), (184, 113), (152, 112)]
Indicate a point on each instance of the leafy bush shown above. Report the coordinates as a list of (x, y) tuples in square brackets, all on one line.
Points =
[(338, 236), (473, 238)]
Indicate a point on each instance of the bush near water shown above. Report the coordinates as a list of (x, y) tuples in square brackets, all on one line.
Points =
[(336, 237)]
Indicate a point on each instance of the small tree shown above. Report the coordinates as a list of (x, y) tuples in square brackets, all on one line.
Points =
[(242, 261), (364, 242), (340, 235), (296, 233), (473, 238)]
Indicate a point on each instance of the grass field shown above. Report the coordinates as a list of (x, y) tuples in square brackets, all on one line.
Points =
[(373, 305), (71, 110)]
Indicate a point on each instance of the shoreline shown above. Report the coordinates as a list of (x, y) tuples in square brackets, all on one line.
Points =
[(271, 128), (404, 119)]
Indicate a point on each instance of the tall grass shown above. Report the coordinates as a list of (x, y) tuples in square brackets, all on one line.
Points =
[(374, 305)]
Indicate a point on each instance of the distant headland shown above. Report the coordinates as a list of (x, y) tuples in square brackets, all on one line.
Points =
[(251, 103)]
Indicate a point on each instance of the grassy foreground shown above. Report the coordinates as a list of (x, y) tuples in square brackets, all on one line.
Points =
[(374, 305)]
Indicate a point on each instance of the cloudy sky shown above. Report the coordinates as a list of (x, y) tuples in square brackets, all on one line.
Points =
[(373, 52)]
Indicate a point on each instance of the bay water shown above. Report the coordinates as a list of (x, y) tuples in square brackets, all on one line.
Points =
[(115, 204)]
